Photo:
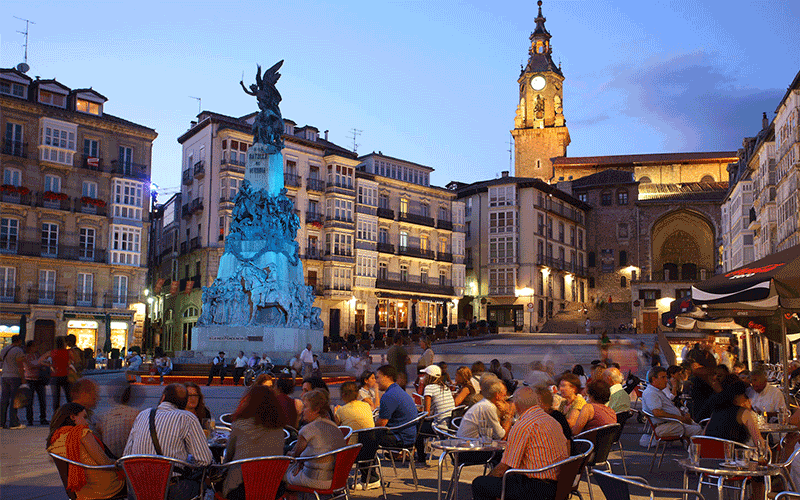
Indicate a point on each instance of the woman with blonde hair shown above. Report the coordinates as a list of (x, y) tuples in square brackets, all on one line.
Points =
[(466, 393)]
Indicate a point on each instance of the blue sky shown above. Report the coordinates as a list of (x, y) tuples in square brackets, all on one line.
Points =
[(428, 81)]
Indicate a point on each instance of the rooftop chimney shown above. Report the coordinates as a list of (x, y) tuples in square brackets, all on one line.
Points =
[(326, 135), (764, 121), (193, 124), (504, 173)]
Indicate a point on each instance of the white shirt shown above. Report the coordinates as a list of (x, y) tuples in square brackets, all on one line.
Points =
[(240, 362), (481, 414), (307, 356), (655, 399), (769, 400)]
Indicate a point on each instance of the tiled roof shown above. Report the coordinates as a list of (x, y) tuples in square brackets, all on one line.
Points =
[(689, 191), (621, 160), (604, 178), (522, 182)]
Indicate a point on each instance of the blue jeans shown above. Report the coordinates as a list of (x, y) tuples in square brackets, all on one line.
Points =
[(163, 370), (10, 386)]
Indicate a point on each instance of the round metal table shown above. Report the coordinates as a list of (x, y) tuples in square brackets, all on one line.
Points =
[(714, 467), (217, 441), (461, 445), (770, 428)]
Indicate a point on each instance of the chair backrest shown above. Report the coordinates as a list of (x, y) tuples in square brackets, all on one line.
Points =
[(622, 417), (455, 423), (569, 471), (650, 422), (416, 422), (602, 438), (369, 439), (148, 475), (345, 458), (346, 431), (262, 475), (225, 419), (714, 447), (618, 487), (63, 471), (787, 495)]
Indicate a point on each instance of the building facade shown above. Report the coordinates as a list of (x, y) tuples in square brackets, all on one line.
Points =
[(75, 215), (375, 238), (787, 156)]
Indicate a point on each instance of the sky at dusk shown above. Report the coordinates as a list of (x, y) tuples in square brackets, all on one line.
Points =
[(433, 82)]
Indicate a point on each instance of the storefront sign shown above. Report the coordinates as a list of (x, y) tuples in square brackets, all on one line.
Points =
[(227, 337)]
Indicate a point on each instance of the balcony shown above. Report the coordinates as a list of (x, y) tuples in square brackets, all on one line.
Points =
[(385, 213), (444, 257), (561, 265), (291, 180), (15, 148), (366, 245), (339, 220), (226, 202), (185, 210), (444, 224), (394, 281), (314, 218), (340, 187), (9, 293), (319, 290), (54, 201), (313, 253), (29, 248), (92, 163), (416, 219), (197, 205), (84, 299), (129, 169), (194, 243), (340, 255), (315, 185), (91, 206), (200, 169), (226, 165), (675, 276), (49, 296), (16, 198), (119, 301), (186, 177), (385, 248)]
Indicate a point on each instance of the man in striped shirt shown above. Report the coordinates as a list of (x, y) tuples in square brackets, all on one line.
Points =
[(534, 441), (178, 432)]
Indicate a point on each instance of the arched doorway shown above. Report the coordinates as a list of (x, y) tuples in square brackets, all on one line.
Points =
[(682, 246)]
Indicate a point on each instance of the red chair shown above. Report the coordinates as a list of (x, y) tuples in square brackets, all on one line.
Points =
[(261, 475), (149, 475), (62, 464), (346, 432), (343, 462)]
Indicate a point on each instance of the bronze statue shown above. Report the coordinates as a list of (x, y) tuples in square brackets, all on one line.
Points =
[(268, 125)]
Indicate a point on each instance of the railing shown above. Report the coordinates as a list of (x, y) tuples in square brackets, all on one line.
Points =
[(229, 165), (409, 251), (366, 245), (385, 248), (416, 219), (315, 185), (413, 284), (15, 148), (224, 200), (664, 275), (569, 213), (312, 217), (183, 247), (341, 254), (385, 213), (61, 203), (51, 296), (119, 301), (186, 177), (19, 199), (185, 210), (200, 169), (85, 299), (319, 290), (444, 224), (348, 186), (130, 169), (366, 209), (197, 205), (67, 252), (313, 253), (561, 264), (9, 293), (90, 209), (339, 218), (444, 256), (502, 291), (292, 180), (194, 243)]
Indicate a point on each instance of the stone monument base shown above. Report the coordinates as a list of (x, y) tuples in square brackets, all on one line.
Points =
[(280, 343)]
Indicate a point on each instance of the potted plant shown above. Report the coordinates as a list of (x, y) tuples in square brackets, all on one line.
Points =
[(53, 196)]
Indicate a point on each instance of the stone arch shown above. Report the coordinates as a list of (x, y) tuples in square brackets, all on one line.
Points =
[(683, 243), (644, 180), (707, 178)]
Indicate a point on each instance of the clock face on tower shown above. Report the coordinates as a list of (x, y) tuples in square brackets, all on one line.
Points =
[(538, 82)]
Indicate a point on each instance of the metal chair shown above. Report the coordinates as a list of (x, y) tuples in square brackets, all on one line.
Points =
[(785, 467), (346, 432), (602, 438), (714, 447), (787, 495), (618, 487), (432, 419), (367, 460), (261, 476), (344, 458), (407, 450), (149, 476), (63, 463), (662, 440), (622, 417), (225, 419), (568, 470)]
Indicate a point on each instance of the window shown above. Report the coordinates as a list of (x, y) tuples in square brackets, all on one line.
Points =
[(623, 258), (291, 167), (85, 106), (501, 249), (340, 210), (707, 178), (403, 206), (403, 239), (561, 232), (234, 152), (125, 245), (607, 260), (9, 233), (86, 243), (583, 197), (12, 176), (501, 222), (49, 246), (580, 238), (623, 281), (591, 259), (424, 243), (83, 289), (403, 272), (14, 144), (47, 286), (367, 196), (52, 98), (383, 235), (649, 297), (7, 283), (342, 278), (423, 275), (442, 277), (119, 292), (383, 271), (52, 183), (89, 189), (367, 230), (127, 199), (502, 196), (622, 230), (622, 197), (572, 236), (10, 88), (383, 201), (540, 224), (366, 266), (468, 231), (605, 198), (126, 158), (644, 180), (340, 176), (502, 281), (58, 141), (339, 244), (591, 281), (425, 210)]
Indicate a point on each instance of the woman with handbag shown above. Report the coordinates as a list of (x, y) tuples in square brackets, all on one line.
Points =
[(37, 376)]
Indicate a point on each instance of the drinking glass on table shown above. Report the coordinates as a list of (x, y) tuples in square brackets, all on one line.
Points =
[(694, 453), (209, 426)]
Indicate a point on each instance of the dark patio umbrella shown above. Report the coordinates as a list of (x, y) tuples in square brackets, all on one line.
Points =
[(413, 315), (107, 343), (23, 325)]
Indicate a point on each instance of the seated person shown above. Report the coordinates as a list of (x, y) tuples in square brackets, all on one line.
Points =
[(397, 408), (534, 442), (595, 414), (656, 403), (71, 438), (733, 417), (545, 396), (619, 400), (438, 399), (764, 396), (353, 413), (492, 414), (569, 387), (257, 431), (368, 392), (319, 435)]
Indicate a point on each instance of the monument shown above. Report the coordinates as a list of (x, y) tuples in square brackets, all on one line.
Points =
[(259, 301)]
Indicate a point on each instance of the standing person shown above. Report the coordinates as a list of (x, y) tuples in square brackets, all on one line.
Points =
[(397, 356), (217, 368), (76, 356), (115, 424), (239, 365), (13, 358), (35, 373), (59, 371), (307, 358), (655, 355), (427, 354)]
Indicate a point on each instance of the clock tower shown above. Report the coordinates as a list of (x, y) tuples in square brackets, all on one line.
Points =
[(540, 132)]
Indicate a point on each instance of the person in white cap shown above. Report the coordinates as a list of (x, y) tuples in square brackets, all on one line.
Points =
[(438, 399)]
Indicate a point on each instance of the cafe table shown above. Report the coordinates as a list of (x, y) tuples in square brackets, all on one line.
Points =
[(217, 441), (720, 468), (461, 445)]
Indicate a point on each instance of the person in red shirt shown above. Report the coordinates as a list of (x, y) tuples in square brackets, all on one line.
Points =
[(59, 371)]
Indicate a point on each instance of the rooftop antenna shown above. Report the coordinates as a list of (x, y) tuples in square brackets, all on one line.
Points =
[(510, 152), (356, 132), (23, 66), (199, 103)]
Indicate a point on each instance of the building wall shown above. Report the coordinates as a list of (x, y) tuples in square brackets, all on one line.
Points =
[(787, 153)]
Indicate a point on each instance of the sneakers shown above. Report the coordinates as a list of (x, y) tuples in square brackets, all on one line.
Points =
[(369, 486), (18, 426)]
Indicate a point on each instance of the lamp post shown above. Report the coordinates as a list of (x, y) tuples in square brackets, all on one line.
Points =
[(527, 292)]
